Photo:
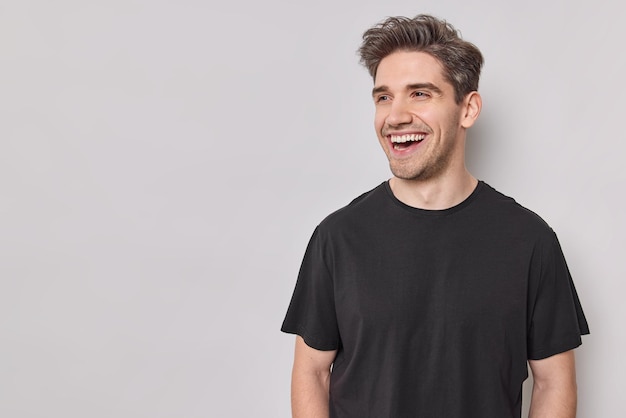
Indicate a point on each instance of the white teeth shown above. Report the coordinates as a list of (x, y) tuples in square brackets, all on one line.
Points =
[(397, 139)]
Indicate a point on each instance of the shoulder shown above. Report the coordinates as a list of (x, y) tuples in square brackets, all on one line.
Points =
[(359, 210), (506, 213)]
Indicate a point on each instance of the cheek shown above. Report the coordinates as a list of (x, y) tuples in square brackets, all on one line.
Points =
[(379, 120)]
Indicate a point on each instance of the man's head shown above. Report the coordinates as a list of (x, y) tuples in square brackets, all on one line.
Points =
[(460, 60), (425, 81)]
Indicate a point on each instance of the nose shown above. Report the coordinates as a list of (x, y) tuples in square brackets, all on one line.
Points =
[(399, 114)]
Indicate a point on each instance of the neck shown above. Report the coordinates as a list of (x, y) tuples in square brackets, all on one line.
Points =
[(434, 194)]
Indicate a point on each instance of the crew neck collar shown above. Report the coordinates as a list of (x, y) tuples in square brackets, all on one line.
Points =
[(435, 212)]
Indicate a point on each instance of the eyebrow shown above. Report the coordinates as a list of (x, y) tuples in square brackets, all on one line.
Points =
[(414, 86)]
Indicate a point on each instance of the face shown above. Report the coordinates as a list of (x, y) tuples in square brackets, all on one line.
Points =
[(418, 122)]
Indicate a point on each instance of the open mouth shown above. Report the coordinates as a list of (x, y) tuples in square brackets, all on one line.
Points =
[(403, 142)]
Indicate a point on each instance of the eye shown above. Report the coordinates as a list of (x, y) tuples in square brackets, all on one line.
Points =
[(382, 98), (421, 94)]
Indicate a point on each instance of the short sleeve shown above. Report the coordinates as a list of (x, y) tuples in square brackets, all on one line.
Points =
[(556, 318), (311, 313)]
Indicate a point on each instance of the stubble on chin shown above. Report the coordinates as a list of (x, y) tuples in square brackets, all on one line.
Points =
[(416, 173), (430, 167)]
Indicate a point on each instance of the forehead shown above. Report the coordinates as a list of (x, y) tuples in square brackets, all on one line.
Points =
[(401, 68)]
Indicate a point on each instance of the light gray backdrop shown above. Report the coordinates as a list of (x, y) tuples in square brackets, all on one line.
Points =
[(163, 164)]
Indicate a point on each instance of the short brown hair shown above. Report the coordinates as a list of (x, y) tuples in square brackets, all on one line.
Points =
[(461, 60)]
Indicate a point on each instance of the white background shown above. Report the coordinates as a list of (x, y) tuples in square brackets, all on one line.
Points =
[(163, 164)]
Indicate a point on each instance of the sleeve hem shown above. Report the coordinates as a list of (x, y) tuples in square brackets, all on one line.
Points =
[(309, 339), (549, 351)]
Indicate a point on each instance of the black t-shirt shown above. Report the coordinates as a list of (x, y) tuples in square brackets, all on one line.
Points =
[(434, 313)]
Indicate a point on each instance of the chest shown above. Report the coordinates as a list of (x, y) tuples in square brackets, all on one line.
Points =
[(431, 279)]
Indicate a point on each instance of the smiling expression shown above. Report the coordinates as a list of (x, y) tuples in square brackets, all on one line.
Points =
[(418, 122)]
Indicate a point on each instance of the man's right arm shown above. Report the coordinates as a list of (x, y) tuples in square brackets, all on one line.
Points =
[(310, 380)]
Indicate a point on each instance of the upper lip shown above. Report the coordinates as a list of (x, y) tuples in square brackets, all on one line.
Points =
[(411, 132)]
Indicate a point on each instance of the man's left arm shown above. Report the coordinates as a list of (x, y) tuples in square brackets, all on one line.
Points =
[(554, 390)]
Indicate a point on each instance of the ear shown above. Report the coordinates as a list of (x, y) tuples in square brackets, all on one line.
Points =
[(472, 104)]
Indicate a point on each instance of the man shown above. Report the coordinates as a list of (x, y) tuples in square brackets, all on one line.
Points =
[(428, 295)]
